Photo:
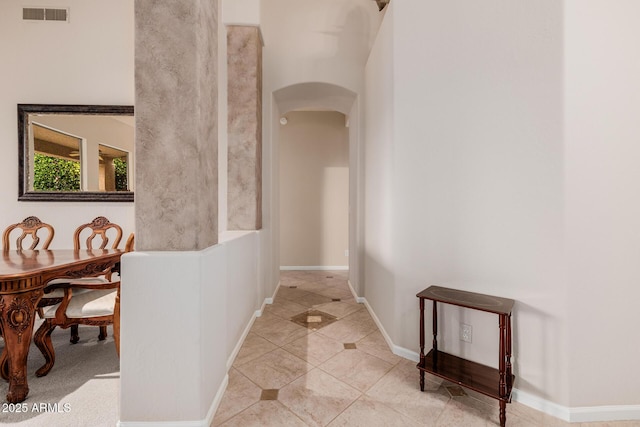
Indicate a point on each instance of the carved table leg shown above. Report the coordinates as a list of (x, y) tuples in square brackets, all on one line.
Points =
[(17, 313)]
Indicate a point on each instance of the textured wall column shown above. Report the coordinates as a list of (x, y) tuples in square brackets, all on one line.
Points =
[(244, 193), (176, 129)]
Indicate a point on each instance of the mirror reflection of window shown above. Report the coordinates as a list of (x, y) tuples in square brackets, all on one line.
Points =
[(113, 169), (55, 159), (100, 147)]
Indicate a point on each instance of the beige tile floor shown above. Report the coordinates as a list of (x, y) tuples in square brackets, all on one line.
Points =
[(334, 368)]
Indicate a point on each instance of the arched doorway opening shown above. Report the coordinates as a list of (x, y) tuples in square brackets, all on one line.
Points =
[(323, 99)]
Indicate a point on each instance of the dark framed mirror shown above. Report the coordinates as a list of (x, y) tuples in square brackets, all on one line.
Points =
[(75, 152)]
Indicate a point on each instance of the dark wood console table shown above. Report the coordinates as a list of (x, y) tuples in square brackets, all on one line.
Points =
[(496, 383)]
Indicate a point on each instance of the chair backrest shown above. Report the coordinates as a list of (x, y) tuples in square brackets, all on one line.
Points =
[(129, 245), (99, 227), (30, 227)]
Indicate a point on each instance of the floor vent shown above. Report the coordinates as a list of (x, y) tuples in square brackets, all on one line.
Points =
[(45, 14)]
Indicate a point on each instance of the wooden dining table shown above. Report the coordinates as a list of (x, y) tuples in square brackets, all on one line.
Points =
[(23, 278)]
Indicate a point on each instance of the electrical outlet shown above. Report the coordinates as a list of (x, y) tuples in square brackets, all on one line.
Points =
[(466, 331), (346, 252)]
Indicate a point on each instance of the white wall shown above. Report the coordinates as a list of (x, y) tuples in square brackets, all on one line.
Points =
[(602, 134), (378, 258), (270, 243), (193, 327), (314, 189), (241, 12), (473, 172), (174, 367), (317, 41), (355, 118), (512, 171), (79, 62), (242, 294)]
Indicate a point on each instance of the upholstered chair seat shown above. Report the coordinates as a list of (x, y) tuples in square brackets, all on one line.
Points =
[(87, 304)]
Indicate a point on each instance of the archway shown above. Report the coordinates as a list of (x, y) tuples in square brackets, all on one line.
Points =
[(321, 96)]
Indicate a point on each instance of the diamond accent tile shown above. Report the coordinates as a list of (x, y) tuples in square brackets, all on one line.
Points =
[(269, 394), (455, 390), (313, 319)]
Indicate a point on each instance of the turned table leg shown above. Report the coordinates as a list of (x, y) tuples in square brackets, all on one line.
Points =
[(502, 369), (422, 356), (17, 313), (509, 366)]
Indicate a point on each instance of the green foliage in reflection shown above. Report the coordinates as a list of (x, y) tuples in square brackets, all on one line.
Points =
[(54, 174), (121, 174)]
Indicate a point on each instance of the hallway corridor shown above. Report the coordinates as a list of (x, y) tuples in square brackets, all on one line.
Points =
[(317, 358)]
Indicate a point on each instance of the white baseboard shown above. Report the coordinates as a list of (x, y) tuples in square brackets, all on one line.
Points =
[(578, 414), (395, 349), (542, 405), (605, 413), (216, 400), (359, 300), (568, 414), (313, 267), (247, 329), (238, 345), (267, 301)]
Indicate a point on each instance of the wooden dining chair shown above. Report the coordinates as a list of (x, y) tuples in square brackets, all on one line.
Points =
[(99, 305), (99, 227), (104, 230), (29, 229)]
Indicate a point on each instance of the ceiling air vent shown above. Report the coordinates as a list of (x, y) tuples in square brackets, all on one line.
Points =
[(45, 14)]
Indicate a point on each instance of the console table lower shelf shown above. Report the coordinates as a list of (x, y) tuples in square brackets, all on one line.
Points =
[(466, 373)]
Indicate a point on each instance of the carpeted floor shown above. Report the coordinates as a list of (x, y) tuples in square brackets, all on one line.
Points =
[(84, 383)]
